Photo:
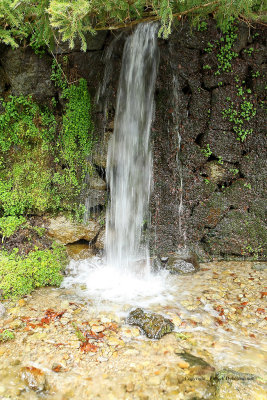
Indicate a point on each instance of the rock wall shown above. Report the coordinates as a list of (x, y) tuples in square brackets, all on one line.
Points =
[(209, 187)]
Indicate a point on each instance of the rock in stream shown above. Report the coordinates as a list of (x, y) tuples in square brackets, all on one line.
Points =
[(153, 325)]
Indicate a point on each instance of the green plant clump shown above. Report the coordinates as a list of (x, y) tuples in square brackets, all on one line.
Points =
[(19, 276), (238, 116), (43, 159), (9, 225), (207, 151), (6, 335)]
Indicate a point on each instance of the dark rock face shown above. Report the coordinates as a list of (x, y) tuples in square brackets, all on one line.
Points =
[(214, 201), (153, 325), (27, 73), (223, 211)]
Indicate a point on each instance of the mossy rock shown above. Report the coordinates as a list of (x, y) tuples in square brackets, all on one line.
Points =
[(153, 325)]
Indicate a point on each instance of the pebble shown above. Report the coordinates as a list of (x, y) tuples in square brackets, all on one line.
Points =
[(154, 380), (22, 303), (64, 304), (183, 364), (97, 328), (115, 342)]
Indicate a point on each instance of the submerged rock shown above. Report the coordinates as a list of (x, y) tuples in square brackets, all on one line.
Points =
[(153, 325), (183, 263), (193, 360), (100, 241), (34, 378)]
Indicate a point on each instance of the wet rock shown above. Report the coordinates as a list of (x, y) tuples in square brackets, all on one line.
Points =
[(222, 144), (100, 151), (183, 263), (197, 365), (97, 183), (34, 378), (236, 226), (28, 74), (66, 231), (100, 241), (2, 310), (79, 251), (153, 325), (95, 200), (193, 360)]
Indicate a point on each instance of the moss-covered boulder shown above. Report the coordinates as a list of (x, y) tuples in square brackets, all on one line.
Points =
[(153, 325)]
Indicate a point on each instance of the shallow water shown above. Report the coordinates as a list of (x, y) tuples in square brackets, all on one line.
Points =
[(218, 315)]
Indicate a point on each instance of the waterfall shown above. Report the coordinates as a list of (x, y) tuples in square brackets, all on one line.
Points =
[(129, 167), (124, 276)]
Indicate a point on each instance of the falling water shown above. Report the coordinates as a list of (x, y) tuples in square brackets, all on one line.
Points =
[(125, 276), (176, 121), (129, 157)]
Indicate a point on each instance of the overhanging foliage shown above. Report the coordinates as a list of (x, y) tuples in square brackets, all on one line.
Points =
[(42, 21)]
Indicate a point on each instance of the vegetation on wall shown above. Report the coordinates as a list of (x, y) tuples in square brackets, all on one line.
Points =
[(42, 22), (43, 156)]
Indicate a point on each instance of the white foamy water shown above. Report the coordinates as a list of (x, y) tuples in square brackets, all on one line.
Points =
[(96, 280)]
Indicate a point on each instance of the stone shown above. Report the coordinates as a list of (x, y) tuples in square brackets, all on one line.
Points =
[(236, 226), (35, 378), (28, 73), (193, 360), (97, 183), (2, 310), (97, 328), (183, 364), (153, 325), (66, 231), (100, 150), (79, 251), (223, 143), (22, 303), (182, 262)]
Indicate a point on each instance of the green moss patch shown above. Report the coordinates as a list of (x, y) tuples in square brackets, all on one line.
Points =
[(20, 275)]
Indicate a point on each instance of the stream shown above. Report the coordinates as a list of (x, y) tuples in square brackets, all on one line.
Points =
[(218, 315)]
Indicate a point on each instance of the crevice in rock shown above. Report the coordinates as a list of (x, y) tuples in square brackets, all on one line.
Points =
[(81, 242), (187, 90), (101, 171), (199, 138), (248, 79)]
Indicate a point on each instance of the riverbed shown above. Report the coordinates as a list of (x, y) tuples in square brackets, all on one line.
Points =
[(69, 345)]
